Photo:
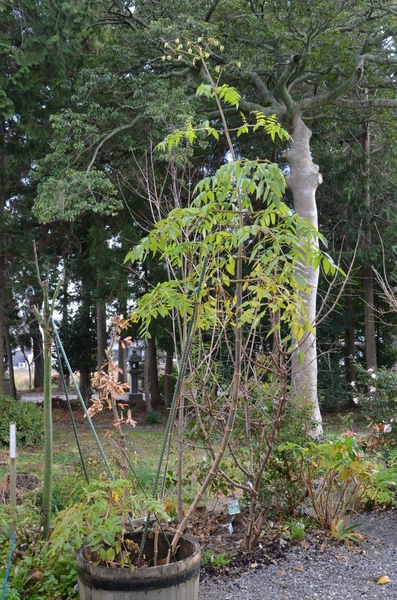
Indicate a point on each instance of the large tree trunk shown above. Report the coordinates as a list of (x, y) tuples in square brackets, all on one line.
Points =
[(123, 351), (102, 342), (350, 340), (369, 316), (369, 319), (169, 380), (153, 374), (10, 363), (350, 335), (146, 385), (38, 354), (303, 180), (65, 308), (85, 386), (85, 371)]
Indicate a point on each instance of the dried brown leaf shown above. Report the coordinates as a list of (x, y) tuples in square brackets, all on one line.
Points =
[(383, 579)]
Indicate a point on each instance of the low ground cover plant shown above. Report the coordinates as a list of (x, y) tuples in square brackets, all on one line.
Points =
[(382, 489), (35, 573), (218, 561), (28, 418)]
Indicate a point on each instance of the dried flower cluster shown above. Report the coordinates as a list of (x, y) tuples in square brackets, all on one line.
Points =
[(194, 51)]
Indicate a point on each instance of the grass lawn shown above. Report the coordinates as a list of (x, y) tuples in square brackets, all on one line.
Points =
[(143, 450), (143, 447)]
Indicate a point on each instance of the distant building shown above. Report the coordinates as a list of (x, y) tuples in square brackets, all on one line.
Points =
[(18, 360)]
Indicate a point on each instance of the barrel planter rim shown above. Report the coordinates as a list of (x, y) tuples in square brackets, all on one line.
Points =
[(142, 578)]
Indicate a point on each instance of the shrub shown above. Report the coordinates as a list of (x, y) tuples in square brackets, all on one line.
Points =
[(28, 418), (282, 485), (153, 418), (36, 574), (66, 491), (336, 474), (376, 394), (382, 489)]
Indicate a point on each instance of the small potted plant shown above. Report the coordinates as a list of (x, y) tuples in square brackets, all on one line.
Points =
[(102, 519), (109, 560)]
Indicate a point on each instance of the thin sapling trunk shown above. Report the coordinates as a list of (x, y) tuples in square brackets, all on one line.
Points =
[(44, 321)]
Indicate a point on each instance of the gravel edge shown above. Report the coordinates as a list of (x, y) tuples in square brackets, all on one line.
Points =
[(318, 571)]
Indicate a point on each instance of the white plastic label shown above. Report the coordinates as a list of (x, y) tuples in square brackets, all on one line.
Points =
[(234, 507), (13, 440)]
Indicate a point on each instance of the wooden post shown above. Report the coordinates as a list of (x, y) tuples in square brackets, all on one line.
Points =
[(13, 469)]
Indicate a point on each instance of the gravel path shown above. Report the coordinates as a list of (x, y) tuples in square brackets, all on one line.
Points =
[(316, 571)]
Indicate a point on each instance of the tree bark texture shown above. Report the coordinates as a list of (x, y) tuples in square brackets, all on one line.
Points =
[(169, 380), (101, 333), (350, 334), (123, 351), (303, 180), (87, 315), (153, 374), (85, 386), (121, 363), (38, 355), (10, 363), (369, 319), (369, 301), (146, 385)]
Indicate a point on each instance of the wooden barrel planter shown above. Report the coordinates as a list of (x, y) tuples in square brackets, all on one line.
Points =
[(176, 581)]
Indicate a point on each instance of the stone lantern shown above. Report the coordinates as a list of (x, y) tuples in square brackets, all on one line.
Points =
[(133, 362)]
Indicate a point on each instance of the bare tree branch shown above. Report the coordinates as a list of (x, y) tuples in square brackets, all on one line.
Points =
[(211, 10)]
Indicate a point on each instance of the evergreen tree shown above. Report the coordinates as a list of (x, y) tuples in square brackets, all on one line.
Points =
[(40, 45)]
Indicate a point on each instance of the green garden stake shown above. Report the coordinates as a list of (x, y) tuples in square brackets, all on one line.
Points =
[(13, 470)]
